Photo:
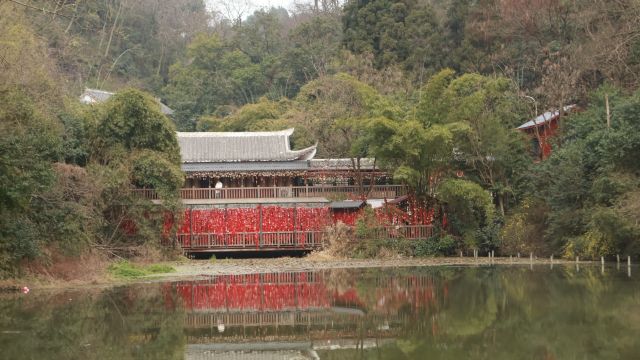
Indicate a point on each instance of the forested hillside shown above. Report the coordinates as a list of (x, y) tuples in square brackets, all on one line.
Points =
[(431, 88)]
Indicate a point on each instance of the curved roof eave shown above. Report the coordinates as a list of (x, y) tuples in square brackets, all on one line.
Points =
[(306, 153)]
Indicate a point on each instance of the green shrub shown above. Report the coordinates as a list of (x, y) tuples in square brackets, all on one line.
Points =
[(469, 208), (524, 229), (436, 246)]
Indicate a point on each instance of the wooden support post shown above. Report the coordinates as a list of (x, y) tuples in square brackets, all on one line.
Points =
[(226, 233), (602, 260), (531, 257), (295, 222), (190, 226), (260, 234), (628, 261), (618, 258)]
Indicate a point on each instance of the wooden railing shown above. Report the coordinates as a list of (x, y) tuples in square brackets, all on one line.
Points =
[(377, 192), (404, 232), (286, 240), (309, 317)]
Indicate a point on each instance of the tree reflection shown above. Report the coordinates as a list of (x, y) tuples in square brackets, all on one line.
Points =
[(120, 323), (441, 313)]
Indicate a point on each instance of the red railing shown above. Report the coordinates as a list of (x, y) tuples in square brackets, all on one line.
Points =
[(376, 192)]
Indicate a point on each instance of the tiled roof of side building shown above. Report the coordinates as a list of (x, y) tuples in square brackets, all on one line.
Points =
[(340, 164), (545, 118), (347, 204), (224, 147), (92, 96)]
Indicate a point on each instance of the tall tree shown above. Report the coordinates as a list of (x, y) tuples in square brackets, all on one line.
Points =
[(403, 32)]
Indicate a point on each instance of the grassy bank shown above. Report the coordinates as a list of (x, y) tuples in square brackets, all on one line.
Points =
[(126, 270)]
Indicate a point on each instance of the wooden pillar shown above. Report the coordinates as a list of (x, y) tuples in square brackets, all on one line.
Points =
[(295, 221), (261, 219), (190, 226), (226, 233)]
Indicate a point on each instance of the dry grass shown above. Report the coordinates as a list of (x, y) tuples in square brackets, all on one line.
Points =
[(339, 238), (89, 267)]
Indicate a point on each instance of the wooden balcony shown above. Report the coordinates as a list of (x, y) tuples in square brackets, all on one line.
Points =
[(341, 192)]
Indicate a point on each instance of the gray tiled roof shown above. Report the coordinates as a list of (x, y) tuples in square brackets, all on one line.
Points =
[(545, 118), (348, 204), (340, 164), (223, 147), (246, 166), (90, 96)]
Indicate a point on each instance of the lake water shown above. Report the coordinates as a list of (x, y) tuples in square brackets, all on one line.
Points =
[(501, 312)]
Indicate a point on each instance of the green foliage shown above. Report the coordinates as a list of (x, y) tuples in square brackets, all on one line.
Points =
[(28, 146), (485, 112), (524, 228), (261, 115), (589, 182), (150, 169), (76, 137), (136, 145), (395, 32), (131, 121), (436, 246), (469, 208), (338, 109), (366, 224)]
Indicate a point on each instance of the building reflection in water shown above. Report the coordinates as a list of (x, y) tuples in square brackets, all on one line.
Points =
[(298, 314)]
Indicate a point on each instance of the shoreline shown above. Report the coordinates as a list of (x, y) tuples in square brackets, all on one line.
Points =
[(312, 263), (197, 269)]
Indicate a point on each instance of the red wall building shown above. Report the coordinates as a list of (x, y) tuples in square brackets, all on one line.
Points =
[(542, 129)]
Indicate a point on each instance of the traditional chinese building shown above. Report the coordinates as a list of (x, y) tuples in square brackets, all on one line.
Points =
[(250, 191), (258, 165), (542, 129)]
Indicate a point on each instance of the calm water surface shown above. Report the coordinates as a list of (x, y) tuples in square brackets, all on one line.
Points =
[(416, 313)]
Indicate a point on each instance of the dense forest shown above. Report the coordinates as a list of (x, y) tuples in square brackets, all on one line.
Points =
[(430, 88)]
